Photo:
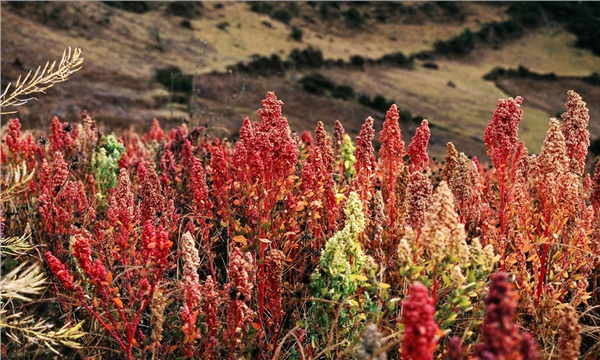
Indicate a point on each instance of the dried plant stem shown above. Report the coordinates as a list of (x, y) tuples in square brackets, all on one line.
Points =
[(42, 79)]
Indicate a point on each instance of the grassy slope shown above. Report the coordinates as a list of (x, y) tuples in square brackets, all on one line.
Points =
[(116, 86)]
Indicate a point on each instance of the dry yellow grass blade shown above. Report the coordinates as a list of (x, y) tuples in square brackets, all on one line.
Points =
[(27, 329), (41, 80), (22, 282)]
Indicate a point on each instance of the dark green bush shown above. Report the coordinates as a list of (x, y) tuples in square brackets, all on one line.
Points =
[(381, 103), (329, 12), (293, 8), (587, 37), (186, 24), (396, 59), (461, 44), (593, 79), (267, 66), (595, 147), (526, 13), (424, 55), (277, 65), (431, 65), (405, 115), (505, 30), (261, 66), (581, 18), (261, 7), (282, 15), (187, 9), (297, 34), (381, 15), (344, 92), (138, 7), (173, 79), (496, 73), (364, 99), (317, 84), (354, 19), (357, 61), (450, 8), (308, 58)]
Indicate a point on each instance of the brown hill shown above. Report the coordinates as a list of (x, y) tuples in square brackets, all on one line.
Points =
[(124, 44)]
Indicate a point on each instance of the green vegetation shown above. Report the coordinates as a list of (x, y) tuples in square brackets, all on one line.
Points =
[(461, 44), (173, 79), (523, 72), (581, 18), (262, 7), (317, 84), (282, 15), (309, 58), (320, 85), (138, 7), (329, 11), (397, 59), (354, 19), (186, 9), (297, 34), (378, 102)]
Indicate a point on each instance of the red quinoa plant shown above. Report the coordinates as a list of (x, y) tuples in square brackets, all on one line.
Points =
[(210, 249), (121, 266)]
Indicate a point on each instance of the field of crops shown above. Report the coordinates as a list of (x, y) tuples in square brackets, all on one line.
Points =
[(176, 244)]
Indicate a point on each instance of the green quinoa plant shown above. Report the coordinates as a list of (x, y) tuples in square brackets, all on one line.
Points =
[(105, 163), (347, 158), (342, 302)]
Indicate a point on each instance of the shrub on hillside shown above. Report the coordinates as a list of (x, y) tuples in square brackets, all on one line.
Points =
[(282, 15), (261, 66), (593, 79), (139, 7), (581, 18), (353, 18), (500, 31), (397, 59), (329, 11), (461, 44), (296, 34), (186, 9), (317, 84), (344, 92), (357, 61), (186, 24), (595, 146), (261, 7), (378, 102), (310, 58), (173, 79), (451, 9), (364, 99)]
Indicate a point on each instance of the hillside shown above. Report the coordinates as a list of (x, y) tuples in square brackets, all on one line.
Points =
[(124, 44)]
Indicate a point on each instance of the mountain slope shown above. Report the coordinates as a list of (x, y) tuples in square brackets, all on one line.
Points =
[(123, 50)]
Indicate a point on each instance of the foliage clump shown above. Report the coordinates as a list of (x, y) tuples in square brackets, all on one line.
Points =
[(300, 246)]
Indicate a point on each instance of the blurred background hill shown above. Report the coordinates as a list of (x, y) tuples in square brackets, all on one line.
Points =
[(210, 63)]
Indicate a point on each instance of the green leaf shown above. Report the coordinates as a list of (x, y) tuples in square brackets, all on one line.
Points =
[(9, 264)]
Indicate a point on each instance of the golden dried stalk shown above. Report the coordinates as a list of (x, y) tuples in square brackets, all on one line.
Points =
[(21, 282), (31, 330), (41, 80)]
